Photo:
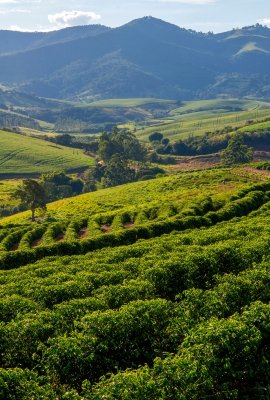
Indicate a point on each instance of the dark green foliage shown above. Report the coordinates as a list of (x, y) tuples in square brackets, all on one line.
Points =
[(18, 384), (156, 137), (58, 185), (116, 150), (220, 359), (236, 152), (110, 340), (117, 172), (120, 142)]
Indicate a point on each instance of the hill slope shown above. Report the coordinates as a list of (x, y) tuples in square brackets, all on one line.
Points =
[(23, 155), (184, 311), (144, 58), (13, 42)]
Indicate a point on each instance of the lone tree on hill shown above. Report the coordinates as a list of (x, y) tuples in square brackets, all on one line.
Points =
[(236, 152), (32, 195)]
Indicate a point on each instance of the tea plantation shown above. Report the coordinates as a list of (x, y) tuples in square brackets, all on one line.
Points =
[(152, 290)]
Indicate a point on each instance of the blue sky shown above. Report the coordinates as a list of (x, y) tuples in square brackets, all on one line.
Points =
[(201, 15)]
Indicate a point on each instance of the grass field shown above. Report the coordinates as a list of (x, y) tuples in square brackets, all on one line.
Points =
[(199, 123), (125, 103), (22, 155), (222, 105)]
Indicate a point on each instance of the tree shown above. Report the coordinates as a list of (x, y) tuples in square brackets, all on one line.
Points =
[(106, 147), (64, 140), (117, 172), (120, 142), (31, 194), (236, 152), (155, 137), (129, 145)]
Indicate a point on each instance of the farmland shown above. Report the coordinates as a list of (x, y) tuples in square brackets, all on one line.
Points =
[(175, 119), (146, 282), (197, 124), (34, 156)]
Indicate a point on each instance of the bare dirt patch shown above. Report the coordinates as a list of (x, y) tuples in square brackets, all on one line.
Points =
[(106, 228), (196, 163), (36, 243), (60, 237), (15, 247), (83, 233), (128, 225)]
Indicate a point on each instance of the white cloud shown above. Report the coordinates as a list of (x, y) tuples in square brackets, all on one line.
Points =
[(73, 18), (264, 21), (8, 1)]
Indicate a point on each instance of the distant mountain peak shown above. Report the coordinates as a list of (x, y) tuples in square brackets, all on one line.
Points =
[(151, 21)]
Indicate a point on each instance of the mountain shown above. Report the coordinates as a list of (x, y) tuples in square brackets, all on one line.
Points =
[(13, 42), (144, 58)]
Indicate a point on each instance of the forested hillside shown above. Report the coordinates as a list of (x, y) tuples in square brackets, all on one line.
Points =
[(144, 58)]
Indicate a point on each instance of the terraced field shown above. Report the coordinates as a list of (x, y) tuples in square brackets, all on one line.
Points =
[(164, 298)]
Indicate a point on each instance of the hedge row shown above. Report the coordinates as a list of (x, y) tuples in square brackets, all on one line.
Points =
[(236, 208)]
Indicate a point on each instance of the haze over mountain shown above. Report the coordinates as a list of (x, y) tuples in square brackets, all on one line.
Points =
[(144, 58)]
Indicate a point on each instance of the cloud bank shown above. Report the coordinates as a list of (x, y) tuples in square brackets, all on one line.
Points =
[(66, 19), (265, 21)]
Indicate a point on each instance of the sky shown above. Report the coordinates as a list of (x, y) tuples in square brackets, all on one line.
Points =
[(200, 15)]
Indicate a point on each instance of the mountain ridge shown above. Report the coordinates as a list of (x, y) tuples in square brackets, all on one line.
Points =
[(146, 57)]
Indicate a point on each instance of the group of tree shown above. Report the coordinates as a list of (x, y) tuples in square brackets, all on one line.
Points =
[(234, 148), (120, 159), (210, 142)]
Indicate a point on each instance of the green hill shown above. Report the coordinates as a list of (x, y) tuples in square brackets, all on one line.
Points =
[(22, 155)]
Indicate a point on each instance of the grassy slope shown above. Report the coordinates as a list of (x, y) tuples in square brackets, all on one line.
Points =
[(24, 155), (179, 188), (136, 102), (201, 122), (6, 189), (221, 104), (197, 117)]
